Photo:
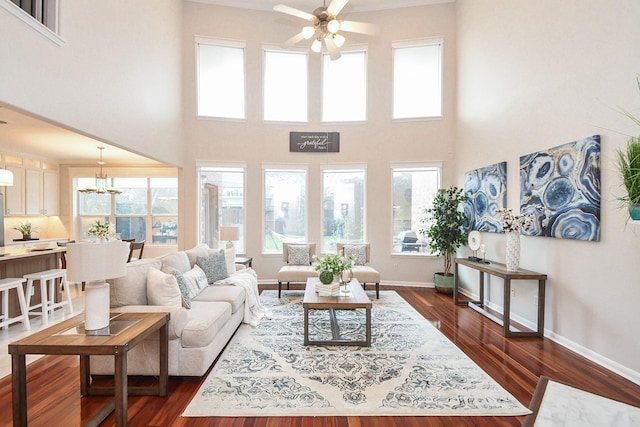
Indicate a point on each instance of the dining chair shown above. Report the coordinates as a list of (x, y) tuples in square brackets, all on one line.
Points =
[(135, 246)]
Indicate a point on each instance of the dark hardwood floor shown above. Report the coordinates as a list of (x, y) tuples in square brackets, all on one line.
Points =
[(516, 363)]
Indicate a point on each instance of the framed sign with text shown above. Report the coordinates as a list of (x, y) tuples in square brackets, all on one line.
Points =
[(314, 142)]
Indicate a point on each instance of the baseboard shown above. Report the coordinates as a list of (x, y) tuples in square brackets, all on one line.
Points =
[(591, 355)]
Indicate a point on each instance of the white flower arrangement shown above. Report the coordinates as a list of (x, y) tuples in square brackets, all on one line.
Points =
[(511, 222), (101, 230)]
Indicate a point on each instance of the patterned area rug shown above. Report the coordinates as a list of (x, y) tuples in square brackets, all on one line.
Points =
[(410, 369)]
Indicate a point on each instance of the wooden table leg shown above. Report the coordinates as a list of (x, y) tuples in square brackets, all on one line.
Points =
[(368, 327), (85, 375), (506, 317), (164, 360), (541, 286), (306, 326), (120, 388), (19, 389)]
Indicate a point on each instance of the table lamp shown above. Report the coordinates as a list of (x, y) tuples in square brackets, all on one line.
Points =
[(6, 180), (94, 263), (229, 234)]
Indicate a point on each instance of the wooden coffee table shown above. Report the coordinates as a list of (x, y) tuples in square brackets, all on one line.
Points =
[(68, 338), (357, 299)]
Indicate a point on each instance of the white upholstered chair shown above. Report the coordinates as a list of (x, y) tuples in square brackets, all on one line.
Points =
[(364, 273)]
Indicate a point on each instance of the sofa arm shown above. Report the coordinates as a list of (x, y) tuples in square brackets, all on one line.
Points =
[(178, 316)]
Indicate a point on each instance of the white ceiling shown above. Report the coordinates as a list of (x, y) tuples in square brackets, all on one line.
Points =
[(23, 133), (310, 5)]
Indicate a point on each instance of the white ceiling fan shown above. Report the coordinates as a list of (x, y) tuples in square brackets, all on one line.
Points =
[(325, 26)]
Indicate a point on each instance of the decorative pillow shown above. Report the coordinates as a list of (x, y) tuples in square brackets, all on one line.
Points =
[(182, 284), (162, 289), (196, 281), (214, 266), (199, 250), (131, 289), (359, 253), (298, 255)]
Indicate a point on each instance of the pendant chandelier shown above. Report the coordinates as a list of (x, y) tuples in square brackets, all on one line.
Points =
[(101, 182)]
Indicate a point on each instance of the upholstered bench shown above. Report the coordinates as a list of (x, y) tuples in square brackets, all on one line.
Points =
[(299, 259), (361, 253)]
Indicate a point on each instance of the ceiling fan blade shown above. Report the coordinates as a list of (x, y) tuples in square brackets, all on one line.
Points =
[(293, 40), (336, 6), (334, 50), (295, 12), (359, 27)]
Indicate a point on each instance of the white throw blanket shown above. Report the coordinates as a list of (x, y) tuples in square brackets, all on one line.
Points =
[(254, 311)]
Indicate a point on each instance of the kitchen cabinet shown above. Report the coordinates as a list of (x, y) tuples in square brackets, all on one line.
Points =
[(41, 192), (14, 196)]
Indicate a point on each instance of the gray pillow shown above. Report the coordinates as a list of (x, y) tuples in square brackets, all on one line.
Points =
[(359, 253), (182, 284), (214, 266), (298, 255)]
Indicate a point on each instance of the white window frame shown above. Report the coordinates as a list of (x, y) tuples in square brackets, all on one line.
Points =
[(46, 25), (288, 167), (343, 167), (410, 166), (225, 43), (326, 59), (272, 49), (439, 41)]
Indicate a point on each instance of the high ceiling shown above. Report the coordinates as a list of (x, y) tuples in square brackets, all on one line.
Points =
[(23, 133)]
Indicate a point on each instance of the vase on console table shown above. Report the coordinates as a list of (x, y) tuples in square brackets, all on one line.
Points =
[(513, 250)]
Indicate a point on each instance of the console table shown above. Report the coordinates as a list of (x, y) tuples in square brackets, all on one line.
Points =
[(500, 270)]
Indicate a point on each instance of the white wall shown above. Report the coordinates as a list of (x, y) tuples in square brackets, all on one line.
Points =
[(116, 77), (533, 74), (376, 143)]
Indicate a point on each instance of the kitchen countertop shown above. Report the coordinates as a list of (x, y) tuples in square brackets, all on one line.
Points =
[(15, 252)]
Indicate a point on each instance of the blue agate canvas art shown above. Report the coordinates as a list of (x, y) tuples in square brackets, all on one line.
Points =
[(487, 191), (565, 182)]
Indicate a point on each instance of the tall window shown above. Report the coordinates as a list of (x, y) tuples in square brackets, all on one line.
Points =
[(344, 87), (285, 207), (414, 187), (221, 85), (130, 211), (44, 12), (221, 204), (417, 79), (343, 207), (285, 86)]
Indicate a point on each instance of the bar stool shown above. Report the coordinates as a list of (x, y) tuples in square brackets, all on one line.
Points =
[(5, 286), (48, 299)]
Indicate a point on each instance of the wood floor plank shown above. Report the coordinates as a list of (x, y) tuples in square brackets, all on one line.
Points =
[(516, 364)]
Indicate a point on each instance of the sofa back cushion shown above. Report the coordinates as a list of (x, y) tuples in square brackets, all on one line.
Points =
[(177, 260), (131, 289), (200, 250)]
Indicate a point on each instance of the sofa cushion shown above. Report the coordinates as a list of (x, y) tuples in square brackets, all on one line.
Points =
[(298, 255), (358, 252), (196, 281), (131, 289), (178, 316), (178, 260), (200, 250), (214, 266), (162, 289), (234, 295), (205, 321)]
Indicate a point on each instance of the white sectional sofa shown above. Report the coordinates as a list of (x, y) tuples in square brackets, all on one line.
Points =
[(197, 334)]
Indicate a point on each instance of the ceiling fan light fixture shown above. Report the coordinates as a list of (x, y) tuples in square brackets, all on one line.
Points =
[(333, 26), (339, 40), (308, 32), (316, 46)]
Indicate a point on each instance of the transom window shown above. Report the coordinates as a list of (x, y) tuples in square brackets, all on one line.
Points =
[(221, 78), (285, 86), (344, 87), (417, 79)]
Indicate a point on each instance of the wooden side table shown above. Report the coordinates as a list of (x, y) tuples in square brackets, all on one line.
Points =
[(246, 261), (500, 270), (68, 338)]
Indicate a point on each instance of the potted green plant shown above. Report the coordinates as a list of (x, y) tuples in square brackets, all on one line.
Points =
[(26, 228), (628, 162), (445, 231), (332, 266)]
